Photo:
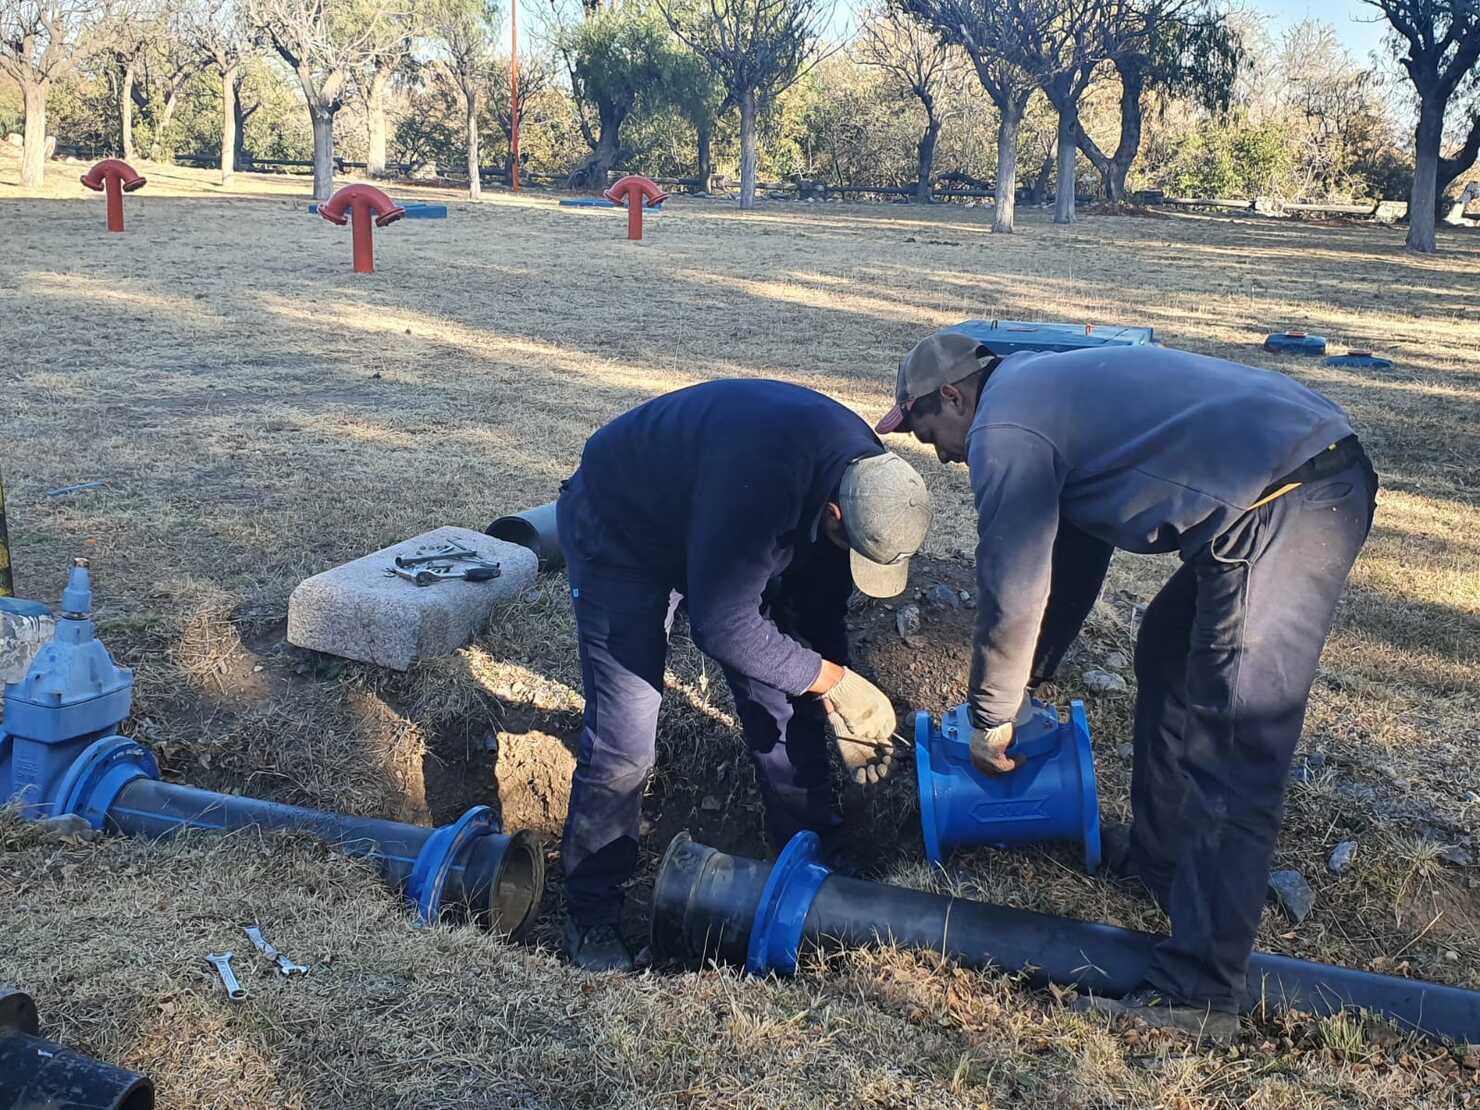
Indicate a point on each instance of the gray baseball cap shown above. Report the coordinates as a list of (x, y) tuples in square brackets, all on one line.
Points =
[(886, 513), (941, 359)]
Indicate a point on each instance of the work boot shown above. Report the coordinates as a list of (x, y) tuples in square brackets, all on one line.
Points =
[(1150, 1006), (596, 948)]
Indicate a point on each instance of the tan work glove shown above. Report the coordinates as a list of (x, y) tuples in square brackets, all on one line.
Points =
[(989, 750), (863, 726)]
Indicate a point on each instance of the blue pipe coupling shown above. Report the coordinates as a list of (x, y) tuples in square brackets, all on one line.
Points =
[(1051, 796)]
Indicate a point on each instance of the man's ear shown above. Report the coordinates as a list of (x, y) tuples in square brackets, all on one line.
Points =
[(954, 396), (834, 511)]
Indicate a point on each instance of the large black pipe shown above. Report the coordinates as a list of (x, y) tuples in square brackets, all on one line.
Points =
[(494, 879), (37, 1074), (706, 905), (535, 529)]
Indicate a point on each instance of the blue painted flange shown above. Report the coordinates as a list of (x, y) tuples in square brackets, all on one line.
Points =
[(602, 202), (776, 932), (437, 855), (105, 767)]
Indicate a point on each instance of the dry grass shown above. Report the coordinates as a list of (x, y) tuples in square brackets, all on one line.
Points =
[(259, 413)]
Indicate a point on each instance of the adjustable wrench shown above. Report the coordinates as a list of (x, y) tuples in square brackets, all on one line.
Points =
[(285, 966), (234, 990)]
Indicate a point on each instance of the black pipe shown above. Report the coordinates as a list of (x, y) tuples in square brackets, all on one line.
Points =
[(495, 879), (37, 1074), (706, 904), (535, 529)]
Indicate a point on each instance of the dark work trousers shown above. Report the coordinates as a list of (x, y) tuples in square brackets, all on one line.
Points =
[(623, 624), (1225, 660)]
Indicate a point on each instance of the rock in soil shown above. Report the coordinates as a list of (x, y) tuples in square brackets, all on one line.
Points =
[(1293, 894), (941, 596), (1116, 661), (1125, 751), (907, 621), (1456, 855), (1342, 856), (1103, 682)]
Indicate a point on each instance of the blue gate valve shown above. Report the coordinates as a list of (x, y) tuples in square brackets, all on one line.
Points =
[(1051, 796)]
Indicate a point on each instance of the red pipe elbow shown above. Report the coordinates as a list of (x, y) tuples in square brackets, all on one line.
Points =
[(96, 178), (361, 198)]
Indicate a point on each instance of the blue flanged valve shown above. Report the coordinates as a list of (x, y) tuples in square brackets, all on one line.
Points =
[(1051, 796)]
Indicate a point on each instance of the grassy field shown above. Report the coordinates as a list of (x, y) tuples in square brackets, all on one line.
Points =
[(258, 413)]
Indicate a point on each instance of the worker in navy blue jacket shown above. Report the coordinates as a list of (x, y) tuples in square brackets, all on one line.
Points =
[(1262, 488), (759, 505)]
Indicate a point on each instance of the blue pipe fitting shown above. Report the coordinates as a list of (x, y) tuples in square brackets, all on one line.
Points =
[(434, 861), (93, 782), (776, 933), (1051, 796), (1295, 343), (1007, 337), (1361, 360)]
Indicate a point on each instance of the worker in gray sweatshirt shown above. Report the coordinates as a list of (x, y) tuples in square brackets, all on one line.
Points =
[(1262, 489)]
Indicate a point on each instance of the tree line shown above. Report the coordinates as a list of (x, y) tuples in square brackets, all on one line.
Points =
[(1019, 96)]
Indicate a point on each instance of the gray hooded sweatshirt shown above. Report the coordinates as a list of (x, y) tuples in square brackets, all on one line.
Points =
[(1146, 449)]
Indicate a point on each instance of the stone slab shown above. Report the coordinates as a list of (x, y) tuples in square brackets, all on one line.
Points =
[(356, 612), (25, 626)]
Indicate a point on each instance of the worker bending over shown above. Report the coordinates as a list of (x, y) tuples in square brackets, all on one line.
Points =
[(1261, 487), (749, 501)]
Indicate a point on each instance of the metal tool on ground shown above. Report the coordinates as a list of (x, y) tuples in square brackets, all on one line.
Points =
[(234, 990), (286, 967), (60, 754), (36, 1073), (438, 553), (441, 563), (709, 905), (1051, 796)]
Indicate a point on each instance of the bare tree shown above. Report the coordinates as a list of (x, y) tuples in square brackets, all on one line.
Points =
[(1438, 45), (977, 26), (388, 53), (536, 74), (323, 42), (757, 49), (920, 64), (219, 34), (1181, 46), (41, 42), (130, 35), (168, 66), (465, 30)]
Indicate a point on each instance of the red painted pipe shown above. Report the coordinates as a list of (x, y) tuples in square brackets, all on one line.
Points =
[(633, 190), (114, 177), (363, 203)]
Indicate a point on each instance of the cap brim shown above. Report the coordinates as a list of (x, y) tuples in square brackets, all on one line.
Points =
[(896, 421), (879, 579)]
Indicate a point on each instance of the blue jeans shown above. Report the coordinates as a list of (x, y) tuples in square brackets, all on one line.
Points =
[(623, 622), (1225, 660)]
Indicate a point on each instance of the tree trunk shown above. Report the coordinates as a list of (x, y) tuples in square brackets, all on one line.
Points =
[(229, 109), (593, 172), (1009, 123), (747, 149), (926, 150), (126, 110), (33, 146), (240, 114), (164, 148), (323, 153), (375, 113), (1063, 209), (706, 158), (1114, 169), (1423, 200), (475, 181)]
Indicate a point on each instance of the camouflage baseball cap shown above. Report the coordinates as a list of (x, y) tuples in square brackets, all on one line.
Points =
[(886, 513), (941, 359)]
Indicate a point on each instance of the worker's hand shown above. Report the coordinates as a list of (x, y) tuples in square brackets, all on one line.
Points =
[(863, 726), (989, 750)]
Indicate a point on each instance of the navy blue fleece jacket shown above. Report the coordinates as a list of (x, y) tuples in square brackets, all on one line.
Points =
[(714, 490)]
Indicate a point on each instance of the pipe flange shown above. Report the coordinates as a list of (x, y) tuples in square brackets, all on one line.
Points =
[(1089, 793), (91, 785), (434, 861), (18, 1013), (776, 932), (925, 777)]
